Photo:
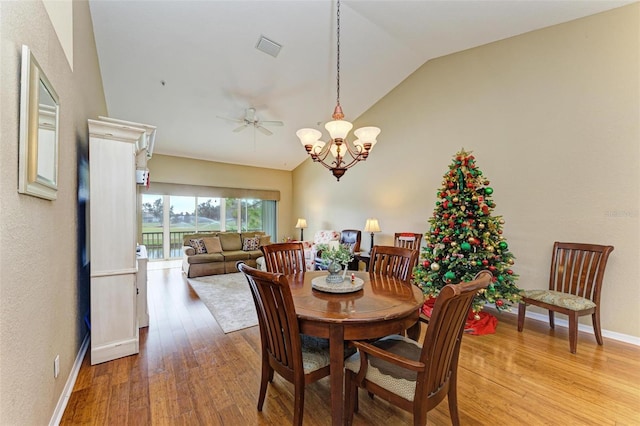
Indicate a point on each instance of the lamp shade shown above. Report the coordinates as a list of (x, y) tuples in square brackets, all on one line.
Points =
[(308, 136), (302, 223), (372, 225), (338, 128), (367, 134)]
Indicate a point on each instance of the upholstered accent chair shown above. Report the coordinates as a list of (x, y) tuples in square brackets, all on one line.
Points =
[(350, 238), (575, 284), (310, 247)]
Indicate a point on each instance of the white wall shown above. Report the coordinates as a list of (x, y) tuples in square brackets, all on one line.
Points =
[(552, 117)]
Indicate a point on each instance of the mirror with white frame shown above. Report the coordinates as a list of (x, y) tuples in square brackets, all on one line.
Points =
[(39, 123)]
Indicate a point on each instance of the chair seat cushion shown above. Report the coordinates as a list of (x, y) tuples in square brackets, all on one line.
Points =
[(315, 352), (389, 376), (564, 300)]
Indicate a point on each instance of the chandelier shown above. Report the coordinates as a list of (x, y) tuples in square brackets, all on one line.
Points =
[(343, 155)]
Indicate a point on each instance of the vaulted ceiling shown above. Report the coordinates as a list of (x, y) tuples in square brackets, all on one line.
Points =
[(181, 64)]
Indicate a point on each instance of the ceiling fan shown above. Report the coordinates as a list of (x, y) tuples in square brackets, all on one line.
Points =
[(250, 119)]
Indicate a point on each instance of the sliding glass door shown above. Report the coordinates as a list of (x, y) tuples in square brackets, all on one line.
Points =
[(167, 218)]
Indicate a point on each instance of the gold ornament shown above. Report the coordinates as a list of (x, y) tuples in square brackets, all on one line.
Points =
[(455, 199), (474, 198), (510, 261), (463, 208), (435, 267), (486, 234), (490, 249), (481, 226), (501, 221)]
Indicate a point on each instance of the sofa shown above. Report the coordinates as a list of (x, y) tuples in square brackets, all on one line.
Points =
[(212, 253)]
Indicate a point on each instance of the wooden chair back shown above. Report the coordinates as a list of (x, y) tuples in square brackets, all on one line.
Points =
[(279, 335), (578, 269), (284, 258), (575, 285), (437, 360), (394, 261), (407, 240)]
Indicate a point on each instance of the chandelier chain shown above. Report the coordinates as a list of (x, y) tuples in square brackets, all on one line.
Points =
[(338, 55)]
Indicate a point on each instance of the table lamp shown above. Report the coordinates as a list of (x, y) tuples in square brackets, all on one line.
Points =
[(302, 223), (372, 226)]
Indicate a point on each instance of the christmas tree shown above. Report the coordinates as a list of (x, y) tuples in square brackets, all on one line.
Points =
[(465, 238)]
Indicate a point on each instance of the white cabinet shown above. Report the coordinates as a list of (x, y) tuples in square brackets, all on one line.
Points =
[(112, 206)]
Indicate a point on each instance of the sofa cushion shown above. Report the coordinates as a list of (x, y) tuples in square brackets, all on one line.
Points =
[(254, 254), (205, 258), (212, 244), (230, 241), (198, 245), (251, 243), (236, 255), (265, 240)]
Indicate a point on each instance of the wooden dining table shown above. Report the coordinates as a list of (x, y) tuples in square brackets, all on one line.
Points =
[(385, 305)]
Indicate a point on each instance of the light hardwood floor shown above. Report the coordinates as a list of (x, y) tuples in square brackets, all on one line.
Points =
[(190, 372)]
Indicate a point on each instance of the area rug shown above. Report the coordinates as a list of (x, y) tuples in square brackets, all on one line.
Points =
[(228, 298)]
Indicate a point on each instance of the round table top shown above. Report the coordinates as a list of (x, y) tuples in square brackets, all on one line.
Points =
[(380, 298)]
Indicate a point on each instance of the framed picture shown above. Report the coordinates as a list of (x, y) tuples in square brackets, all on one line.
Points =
[(39, 123)]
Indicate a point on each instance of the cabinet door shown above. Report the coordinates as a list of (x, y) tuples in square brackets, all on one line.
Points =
[(112, 206), (114, 325)]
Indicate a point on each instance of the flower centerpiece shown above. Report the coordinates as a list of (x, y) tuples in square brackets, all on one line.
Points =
[(337, 257)]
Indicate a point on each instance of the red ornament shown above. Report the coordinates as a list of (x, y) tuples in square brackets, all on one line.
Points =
[(485, 262), (426, 264), (499, 302), (492, 268), (509, 271)]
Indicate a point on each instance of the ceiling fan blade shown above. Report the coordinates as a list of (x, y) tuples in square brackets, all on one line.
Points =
[(234, 120), (264, 130), (237, 129), (272, 123)]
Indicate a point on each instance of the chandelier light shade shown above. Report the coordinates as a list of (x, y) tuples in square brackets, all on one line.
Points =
[(372, 226), (302, 223), (338, 154)]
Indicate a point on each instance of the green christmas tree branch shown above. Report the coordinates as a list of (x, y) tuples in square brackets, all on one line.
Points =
[(465, 238)]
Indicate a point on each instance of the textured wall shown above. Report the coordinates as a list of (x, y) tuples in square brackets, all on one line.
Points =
[(552, 117), (43, 288)]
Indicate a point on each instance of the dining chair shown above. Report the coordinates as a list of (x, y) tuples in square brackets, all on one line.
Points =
[(407, 240), (394, 261), (575, 285), (414, 377), (285, 258), (284, 349)]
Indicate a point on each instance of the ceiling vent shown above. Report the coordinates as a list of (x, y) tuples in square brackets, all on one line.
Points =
[(267, 46)]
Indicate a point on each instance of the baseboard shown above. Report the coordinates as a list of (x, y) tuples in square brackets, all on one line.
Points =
[(71, 381), (581, 327)]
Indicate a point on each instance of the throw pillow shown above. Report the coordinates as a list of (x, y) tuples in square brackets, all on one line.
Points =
[(198, 245), (264, 240), (251, 244), (212, 244)]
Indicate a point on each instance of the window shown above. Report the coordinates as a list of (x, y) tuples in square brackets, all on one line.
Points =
[(167, 218)]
